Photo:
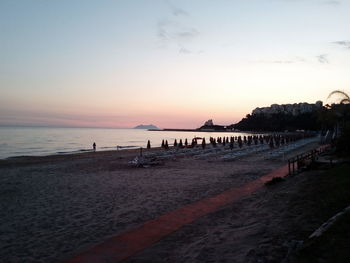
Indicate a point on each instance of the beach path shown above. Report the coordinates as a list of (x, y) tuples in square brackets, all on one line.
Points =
[(123, 246)]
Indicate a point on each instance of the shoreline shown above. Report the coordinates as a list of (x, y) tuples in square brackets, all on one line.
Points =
[(61, 156), (236, 131), (76, 152)]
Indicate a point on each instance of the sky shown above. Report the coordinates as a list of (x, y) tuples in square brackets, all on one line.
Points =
[(174, 64)]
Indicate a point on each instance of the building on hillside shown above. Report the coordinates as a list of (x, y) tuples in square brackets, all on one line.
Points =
[(294, 109)]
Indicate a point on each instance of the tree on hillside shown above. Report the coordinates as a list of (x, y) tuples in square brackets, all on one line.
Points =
[(340, 111), (341, 117)]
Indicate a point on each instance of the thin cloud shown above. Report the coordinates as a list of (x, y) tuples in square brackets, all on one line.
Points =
[(172, 31), (185, 51), (283, 61), (323, 59), (327, 2), (334, 3), (162, 32), (178, 12), (345, 44), (330, 2), (25, 117), (300, 59), (274, 61), (175, 10), (188, 33)]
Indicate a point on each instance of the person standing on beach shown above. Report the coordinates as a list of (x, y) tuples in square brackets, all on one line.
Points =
[(94, 147)]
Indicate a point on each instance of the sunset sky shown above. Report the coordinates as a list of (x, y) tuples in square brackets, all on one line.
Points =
[(174, 64)]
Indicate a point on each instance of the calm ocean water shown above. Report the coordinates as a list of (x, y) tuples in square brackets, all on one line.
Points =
[(38, 141)]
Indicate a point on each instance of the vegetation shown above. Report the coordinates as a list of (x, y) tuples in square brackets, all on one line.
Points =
[(344, 97), (332, 195), (325, 118), (274, 180), (343, 142), (332, 246), (279, 122), (341, 120)]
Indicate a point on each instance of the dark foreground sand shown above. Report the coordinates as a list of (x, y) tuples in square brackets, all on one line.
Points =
[(52, 208)]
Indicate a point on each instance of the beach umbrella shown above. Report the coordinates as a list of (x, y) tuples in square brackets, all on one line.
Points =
[(249, 141), (194, 142), (203, 143), (186, 143), (267, 138), (180, 144), (240, 143), (287, 139), (277, 140), (166, 145), (231, 145), (163, 144), (148, 145), (261, 139)]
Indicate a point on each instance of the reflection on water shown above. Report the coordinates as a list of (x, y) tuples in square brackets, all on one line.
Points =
[(18, 141)]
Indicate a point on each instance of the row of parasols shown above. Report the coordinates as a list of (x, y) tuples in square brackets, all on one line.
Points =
[(273, 141)]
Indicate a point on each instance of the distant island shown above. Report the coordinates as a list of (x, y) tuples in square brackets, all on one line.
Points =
[(146, 127)]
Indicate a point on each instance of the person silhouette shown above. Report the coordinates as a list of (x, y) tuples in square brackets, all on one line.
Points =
[(94, 146)]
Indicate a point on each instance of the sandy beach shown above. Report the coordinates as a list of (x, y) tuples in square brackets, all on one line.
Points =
[(54, 207)]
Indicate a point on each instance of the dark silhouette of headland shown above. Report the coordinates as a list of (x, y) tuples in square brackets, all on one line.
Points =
[(275, 118)]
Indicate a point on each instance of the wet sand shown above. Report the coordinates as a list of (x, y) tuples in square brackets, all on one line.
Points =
[(55, 207)]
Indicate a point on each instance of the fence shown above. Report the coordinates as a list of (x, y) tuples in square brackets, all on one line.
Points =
[(299, 161)]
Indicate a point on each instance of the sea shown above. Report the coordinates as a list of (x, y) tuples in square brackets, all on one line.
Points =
[(41, 141)]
